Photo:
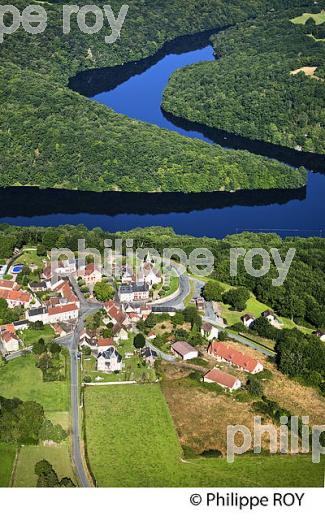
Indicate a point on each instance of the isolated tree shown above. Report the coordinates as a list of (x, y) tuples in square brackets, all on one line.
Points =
[(213, 291), (103, 291), (139, 341)]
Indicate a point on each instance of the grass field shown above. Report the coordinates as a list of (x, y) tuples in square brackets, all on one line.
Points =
[(28, 257), (318, 17), (31, 337), (59, 457), (7, 457), (131, 441), (20, 378)]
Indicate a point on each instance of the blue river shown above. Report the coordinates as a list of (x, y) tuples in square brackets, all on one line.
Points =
[(138, 94)]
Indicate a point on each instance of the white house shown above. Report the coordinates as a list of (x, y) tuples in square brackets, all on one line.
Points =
[(66, 267), (10, 342), (149, 355), (248, 320), (209, 331), (133, 292), (271, 318), (59, 313), (184, 350), (109, 361), (119, 332), (65, 312)]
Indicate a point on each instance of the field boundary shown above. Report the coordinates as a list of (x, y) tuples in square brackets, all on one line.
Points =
[(14, 468)]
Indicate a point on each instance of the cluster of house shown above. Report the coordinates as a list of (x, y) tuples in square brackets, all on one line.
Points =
[(136, 287), (121, 317), (15, 297), (222, 353), (249, 319), (57, 310), (226, 354), (63, 307)]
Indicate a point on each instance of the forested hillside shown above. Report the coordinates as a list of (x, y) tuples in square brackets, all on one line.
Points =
[(268, 82), (50, 136)]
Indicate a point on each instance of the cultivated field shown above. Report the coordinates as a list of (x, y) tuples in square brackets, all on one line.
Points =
[(131, 441)]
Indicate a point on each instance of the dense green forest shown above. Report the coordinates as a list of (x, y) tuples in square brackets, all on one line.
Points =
[(53, 137), (301, 297), (254, 88)]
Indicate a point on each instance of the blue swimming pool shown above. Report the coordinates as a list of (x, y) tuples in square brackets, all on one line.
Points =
[(16, 269)]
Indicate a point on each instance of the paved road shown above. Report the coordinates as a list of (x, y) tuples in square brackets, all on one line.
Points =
[(72, 342), (185, 281)]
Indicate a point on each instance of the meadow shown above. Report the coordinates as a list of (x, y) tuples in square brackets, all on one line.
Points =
[(58, 456), (318, 17), (20, 378), (132, 442), (7, 457)]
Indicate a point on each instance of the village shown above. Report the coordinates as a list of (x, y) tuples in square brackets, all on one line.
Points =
[(134, 327)]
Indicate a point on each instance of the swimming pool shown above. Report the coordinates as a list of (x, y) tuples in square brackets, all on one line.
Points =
[(16, 269)]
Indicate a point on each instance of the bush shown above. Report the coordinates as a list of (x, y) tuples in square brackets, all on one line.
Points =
[(51, 432), (211, 454), (223, 336), (254, 386)]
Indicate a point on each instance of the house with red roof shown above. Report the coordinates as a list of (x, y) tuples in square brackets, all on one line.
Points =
[(222, 379), (66, 312), (9, 284), (115, 313), (91, 274), (227, 354), (15, 298)]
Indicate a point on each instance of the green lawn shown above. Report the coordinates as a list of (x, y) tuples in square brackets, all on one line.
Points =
[(256, 307), (173, 286), (29, 257), (7, 458), (31, 337), (131, 441), (20, 378), (318, 17), (59, 457), (253, 307)]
